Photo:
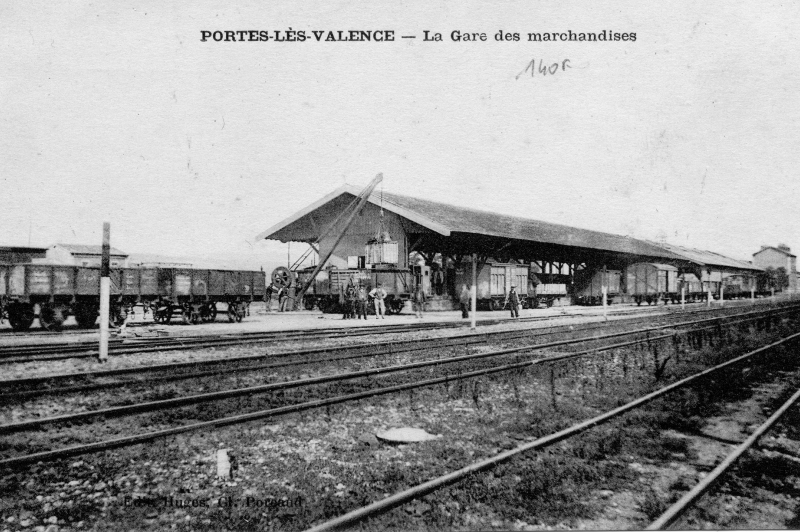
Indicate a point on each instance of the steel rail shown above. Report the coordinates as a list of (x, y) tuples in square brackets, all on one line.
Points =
[(243, 418), (248, 337), (689, 499), (176, 343), (465, 340), (392, 345), (214, 372), (420, 490), (266, 388), (227, 394)]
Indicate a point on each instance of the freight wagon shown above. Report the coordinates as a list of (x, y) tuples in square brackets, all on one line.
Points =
[(691, 287), (711, 282), (60, 291), (546, 294), (327, 291), (495, 280), (588, 286), (738, 286), (651, 283)]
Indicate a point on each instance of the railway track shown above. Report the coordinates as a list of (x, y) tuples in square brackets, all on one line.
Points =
[(677, 510), (326, 398), (18, 389), (22, 353), (375, 509)]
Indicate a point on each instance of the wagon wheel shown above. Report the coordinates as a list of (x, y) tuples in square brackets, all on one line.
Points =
[(162, 315), (282, 277), (233, 313), (85, 315), (47, 318), (117, 315), (209, 312), (21, 317)]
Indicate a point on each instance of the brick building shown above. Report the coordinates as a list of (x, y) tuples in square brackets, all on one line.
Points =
[(777, 257)]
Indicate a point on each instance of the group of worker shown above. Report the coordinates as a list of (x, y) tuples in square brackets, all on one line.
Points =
[(355, 301)]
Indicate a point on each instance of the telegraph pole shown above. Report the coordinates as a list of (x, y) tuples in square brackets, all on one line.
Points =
[(474, 291), (105, 291)]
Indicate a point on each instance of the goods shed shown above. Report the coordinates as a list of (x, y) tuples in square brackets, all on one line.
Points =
[(435, 244), (430, 227)]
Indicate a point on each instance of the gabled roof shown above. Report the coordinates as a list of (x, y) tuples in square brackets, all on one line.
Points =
[(779, 250), (354, 191), (448, 219), (475, 221), (81, 249), (709, 258)]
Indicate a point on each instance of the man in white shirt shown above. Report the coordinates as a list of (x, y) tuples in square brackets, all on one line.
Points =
[(378, 294)]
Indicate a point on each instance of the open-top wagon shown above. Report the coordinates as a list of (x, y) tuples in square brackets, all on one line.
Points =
[(60, 291)]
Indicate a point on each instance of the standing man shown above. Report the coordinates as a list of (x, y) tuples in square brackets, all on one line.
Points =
[(352, 297), (419, 301), (463, 300), (281, 299), (361, 308), (268, 296), (347, 300), (512, 299), (379, 294), (438, 281)]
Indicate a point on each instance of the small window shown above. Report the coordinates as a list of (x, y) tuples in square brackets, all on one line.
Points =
[(85, 263), (356, 261)]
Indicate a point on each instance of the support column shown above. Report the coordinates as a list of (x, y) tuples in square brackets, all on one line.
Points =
[(105, 292), (683, 296), (604, 289), (721, 294), (474, 291)]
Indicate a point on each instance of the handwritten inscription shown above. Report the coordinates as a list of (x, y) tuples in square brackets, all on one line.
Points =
[(544, 68)]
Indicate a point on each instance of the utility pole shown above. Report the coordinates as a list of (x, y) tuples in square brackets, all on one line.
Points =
[(105, 291), (474, 291)]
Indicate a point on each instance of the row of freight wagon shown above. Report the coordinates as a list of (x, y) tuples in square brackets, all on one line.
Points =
[(637, 283), (60, 291), (494, 282), (651, 283)]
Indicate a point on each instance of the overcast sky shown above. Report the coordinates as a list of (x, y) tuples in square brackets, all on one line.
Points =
[(121, 113)]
